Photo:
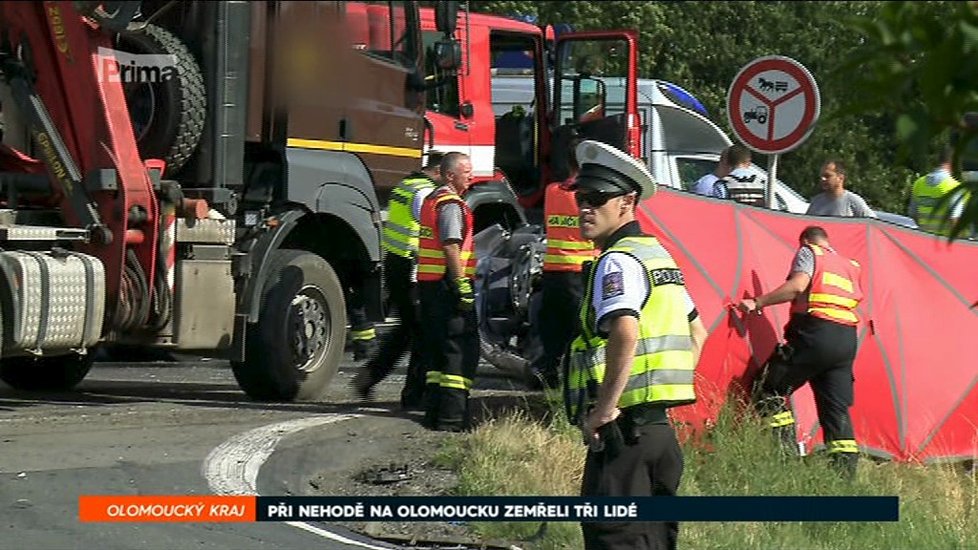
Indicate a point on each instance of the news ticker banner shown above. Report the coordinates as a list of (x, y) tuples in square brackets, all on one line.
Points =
[(209, 508)]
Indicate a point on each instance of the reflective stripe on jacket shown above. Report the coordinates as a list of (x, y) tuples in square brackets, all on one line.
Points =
[(566, 250), (401, 230), (930, 216), (431, 256), (834, 292), (662, 370)]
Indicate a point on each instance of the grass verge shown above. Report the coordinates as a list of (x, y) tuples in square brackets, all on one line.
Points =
[(518, 455)]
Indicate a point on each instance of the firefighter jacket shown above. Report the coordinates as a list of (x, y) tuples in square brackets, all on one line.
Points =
[(431, 257), (834, 292), (930, 215), (662, 369), (401, 229), (566, 250)]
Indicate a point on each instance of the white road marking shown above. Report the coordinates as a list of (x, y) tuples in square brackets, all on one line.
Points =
[(232, 467)]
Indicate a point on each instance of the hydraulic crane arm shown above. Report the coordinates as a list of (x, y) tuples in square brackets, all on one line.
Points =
[(53, 58)]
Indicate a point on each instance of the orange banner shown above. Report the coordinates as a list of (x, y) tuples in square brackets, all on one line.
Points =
[(148, 508)]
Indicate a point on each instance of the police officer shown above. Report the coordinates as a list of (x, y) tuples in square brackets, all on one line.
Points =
[(926, 206), (561, 282), (400, 244), (446, 266), (640, 339), (740, 184), (823, 288)]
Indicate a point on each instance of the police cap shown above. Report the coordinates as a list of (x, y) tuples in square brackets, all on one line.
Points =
[(607, 169)]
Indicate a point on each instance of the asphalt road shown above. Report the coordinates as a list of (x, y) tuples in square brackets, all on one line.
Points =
[(153, 429)]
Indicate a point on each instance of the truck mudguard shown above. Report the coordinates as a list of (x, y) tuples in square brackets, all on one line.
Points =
[(336, 183)]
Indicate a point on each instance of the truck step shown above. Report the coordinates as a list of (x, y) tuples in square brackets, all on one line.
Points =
[(40, 233)]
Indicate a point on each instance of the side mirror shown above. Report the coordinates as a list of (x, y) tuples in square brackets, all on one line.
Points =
[(448, 54), (589, 99), (446, 16)]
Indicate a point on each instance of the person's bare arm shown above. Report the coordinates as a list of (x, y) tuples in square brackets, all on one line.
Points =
[(795, 285), (453, 259)]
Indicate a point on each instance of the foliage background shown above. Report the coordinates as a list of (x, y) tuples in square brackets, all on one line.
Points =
[(701, 46)]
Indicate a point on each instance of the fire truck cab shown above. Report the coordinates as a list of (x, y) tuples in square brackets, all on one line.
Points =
[(515, 154)]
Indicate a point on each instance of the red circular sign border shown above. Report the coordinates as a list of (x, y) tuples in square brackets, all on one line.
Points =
[(810, 91)]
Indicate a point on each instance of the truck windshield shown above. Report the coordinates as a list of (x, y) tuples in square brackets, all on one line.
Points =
[(604, 60)]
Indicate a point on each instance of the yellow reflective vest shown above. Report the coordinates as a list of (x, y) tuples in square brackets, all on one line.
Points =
[(401, 230), (930, 216), (662, 370)]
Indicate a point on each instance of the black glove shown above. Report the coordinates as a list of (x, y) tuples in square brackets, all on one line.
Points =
[(466, 298), (611, 441)]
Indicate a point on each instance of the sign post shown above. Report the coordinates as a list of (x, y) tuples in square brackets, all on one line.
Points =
[(772, 106)]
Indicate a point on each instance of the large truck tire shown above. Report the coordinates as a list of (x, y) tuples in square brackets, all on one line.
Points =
[(168, 116), (57, 373), (295, 348)]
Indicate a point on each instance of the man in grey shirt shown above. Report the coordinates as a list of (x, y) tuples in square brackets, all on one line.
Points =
[(835, 199), (445, 267)]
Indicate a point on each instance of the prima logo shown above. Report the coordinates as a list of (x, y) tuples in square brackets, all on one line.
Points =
[(128, 68)]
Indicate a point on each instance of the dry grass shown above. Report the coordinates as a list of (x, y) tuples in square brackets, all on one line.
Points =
[(518, 455)]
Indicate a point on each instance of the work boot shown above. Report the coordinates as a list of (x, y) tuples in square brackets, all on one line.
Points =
[(363, 384), (845, 463), (363, 349), (412, 399)]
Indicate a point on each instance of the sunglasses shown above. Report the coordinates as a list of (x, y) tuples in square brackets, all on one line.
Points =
[(594, 199)]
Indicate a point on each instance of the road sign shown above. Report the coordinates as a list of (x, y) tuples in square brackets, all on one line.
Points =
[(772, 104)]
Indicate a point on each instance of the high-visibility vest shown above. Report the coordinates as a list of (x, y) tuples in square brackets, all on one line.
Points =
[(662, 370), (431, 256), (930, 215), (835, 291), (401, 230), (744, 188), (566, 250)]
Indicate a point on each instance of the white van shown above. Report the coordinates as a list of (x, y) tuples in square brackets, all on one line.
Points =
[(679, 144)]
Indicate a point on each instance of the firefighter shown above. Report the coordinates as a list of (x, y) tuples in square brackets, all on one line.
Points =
[(401, 249), (561, 284), (446, 266), (823, 288), (640, 339)]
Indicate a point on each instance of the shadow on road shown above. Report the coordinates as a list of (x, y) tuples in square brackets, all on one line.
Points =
[(505, 394)]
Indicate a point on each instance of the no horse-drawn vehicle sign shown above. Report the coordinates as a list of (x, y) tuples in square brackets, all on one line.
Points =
[(772, 104)]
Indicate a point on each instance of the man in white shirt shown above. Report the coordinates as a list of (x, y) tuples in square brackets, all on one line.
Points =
[(707, 185)]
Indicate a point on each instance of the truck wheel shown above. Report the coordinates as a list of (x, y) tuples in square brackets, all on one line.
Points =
[(58, 373), (168, 114), (294, 349)]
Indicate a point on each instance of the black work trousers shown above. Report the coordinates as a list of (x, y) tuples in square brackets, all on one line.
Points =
[(819, 352), (651, 465), (406, 335), (452, 355), (356, 312), (557, 322)]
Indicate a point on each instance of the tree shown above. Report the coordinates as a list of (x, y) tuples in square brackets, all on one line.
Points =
[(701, 46), (919, 60)]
